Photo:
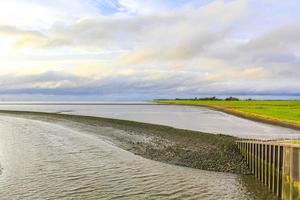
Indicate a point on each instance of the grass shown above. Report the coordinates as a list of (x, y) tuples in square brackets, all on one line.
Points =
[(293, 142), (280, 112)]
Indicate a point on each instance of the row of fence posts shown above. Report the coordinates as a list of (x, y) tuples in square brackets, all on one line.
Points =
[(275, 165)]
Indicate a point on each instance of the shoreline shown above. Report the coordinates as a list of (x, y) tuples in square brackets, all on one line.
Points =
[(256, 118), (157, 142), (244, 115)]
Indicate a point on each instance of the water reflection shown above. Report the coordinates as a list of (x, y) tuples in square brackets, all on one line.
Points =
[(186, 117), (48, 161)]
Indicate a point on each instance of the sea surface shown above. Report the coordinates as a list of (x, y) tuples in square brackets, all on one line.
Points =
[(178, 116), (42, 160)]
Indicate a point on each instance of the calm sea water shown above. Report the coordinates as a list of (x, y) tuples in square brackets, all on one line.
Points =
[(42, 160), (186, 117)]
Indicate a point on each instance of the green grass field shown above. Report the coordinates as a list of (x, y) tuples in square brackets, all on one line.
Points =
[(281, 112)]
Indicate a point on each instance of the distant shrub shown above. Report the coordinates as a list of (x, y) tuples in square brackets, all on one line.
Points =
[(232, 99)]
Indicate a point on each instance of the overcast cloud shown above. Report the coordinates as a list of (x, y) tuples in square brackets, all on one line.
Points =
[(126, 49)]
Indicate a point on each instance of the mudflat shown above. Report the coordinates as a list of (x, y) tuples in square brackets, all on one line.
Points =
[(161, 143)]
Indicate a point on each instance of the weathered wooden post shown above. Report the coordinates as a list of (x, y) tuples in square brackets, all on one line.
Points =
[(276, 164)]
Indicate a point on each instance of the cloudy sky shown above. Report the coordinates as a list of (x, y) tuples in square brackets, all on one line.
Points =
[(144, 49)]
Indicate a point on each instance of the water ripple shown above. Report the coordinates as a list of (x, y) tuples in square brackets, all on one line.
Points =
[(48, 161)]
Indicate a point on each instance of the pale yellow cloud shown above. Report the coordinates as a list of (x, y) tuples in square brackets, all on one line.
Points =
[(89, 69), (100, 70), (212, 62), (214, 76), (253, 73), (225, 12), (138, 57), (29, 41)]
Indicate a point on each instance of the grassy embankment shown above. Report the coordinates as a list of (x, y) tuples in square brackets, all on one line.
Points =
[(279, 112), (162, 143)]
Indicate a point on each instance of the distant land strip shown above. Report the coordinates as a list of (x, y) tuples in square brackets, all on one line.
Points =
[(284, 113)]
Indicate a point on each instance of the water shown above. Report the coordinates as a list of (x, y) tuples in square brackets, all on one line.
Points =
[(42, 160), (186, 117)]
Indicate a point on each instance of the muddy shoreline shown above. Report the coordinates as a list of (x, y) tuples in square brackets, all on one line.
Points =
[(161, 143), (257, 118), (252, 117)]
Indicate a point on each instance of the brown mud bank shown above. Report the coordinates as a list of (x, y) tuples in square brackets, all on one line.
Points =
[(161, 143)]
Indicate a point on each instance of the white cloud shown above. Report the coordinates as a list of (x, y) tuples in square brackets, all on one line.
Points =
[(139, 45)]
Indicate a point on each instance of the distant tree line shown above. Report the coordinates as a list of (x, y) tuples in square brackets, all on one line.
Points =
[(213, 98)]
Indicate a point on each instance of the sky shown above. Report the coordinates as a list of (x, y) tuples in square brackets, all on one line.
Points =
[(145, 49)]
